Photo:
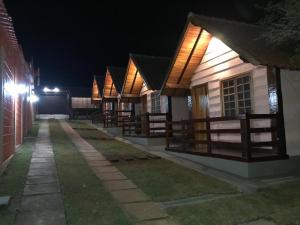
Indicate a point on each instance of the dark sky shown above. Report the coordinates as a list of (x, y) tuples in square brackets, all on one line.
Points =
[(71, 41)]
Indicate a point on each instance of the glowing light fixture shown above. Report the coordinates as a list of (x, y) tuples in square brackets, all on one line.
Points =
[(46, 89), (33, 98), (217, 45), (56, 90), (15, 89)]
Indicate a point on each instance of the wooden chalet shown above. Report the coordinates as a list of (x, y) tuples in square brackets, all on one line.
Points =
[(243, 94), (115, 112), (141, 88), (96, 95)]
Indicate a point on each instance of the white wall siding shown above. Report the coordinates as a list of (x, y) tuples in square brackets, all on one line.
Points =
[(290, 82), (220, 64), (180, 110)]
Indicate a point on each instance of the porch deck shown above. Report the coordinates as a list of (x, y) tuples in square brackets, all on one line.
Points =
[(149, 125), (249, 137)]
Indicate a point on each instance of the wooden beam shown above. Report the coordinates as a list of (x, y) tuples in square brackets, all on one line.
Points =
[(190, 57), (135, 75)]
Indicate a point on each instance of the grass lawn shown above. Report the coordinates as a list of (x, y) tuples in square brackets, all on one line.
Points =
[(280, 204), (85, 199), (162, 180), (12, 181)]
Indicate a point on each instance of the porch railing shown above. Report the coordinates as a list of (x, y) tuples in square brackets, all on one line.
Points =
[(147, 125), (248, 137), (116, 118)]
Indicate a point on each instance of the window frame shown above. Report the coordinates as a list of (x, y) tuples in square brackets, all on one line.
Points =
[(235, 78)]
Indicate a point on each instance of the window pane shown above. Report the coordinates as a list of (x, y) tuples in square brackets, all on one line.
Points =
[(247, 94), (247, 87), (232, 98)]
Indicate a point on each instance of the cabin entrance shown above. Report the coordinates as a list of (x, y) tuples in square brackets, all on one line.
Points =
[(200, 111)]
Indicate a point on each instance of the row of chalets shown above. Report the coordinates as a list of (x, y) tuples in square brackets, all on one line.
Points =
[(226, 99)]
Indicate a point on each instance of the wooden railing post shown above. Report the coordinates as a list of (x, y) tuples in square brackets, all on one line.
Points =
[(246, 138), (169, 119), (208, 135), (147, 122), (168, 127), (183, 135)]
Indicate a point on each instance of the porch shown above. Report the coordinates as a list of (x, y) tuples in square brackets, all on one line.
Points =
[(148, 125), (248, 138), (116, 118)]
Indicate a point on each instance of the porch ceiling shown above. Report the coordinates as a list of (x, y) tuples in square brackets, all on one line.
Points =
[(189, 55), (109, 90), (95, 91), (133, 81)]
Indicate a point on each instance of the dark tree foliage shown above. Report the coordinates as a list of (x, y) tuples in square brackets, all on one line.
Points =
[(282, 21)]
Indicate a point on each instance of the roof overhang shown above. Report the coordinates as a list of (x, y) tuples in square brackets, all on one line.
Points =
[(109, 88), (134, 81), (189, 54), (96, 97)]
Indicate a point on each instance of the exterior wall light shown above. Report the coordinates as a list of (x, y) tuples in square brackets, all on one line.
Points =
[(33, 98), (15, 89)]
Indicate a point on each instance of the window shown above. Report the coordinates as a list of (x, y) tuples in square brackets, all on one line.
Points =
[(155, 102), (237, 96)]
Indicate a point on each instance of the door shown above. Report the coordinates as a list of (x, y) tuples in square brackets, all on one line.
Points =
[(200, 111)]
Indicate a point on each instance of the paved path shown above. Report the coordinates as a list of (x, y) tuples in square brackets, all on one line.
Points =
[(134, 202), (42, 202)]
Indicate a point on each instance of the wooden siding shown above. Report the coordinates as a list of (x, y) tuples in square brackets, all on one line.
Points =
[(109, 90), (220, 63)]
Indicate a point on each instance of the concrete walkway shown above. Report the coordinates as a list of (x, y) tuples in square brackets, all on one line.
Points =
[(42, 202), (133, 201)]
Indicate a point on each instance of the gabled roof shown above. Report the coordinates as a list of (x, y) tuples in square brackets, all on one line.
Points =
[(113, 82), (96, 95), (150, 70), (245, 39)]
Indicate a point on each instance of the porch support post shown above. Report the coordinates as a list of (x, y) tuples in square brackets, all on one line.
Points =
[(281, 139), (246, 138)]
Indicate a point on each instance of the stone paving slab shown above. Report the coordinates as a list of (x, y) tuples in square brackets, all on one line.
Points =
[(42, 155), (41, 160), (111, 176), (158, 222), (106, 169), (94, 158), (130, 196), (36, 189), (145, 211), (119, 185), (259, 222), (101, 163), (42, 166), (41, 172), (51, 202), (87, 154), (41, 179)]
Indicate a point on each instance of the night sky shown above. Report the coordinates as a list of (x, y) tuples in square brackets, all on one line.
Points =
[(71, 41)]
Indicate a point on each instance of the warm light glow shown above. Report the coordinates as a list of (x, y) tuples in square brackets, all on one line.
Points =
[(216, 45), (56, 90), (46, 89), (15, 89), (33, 98)]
